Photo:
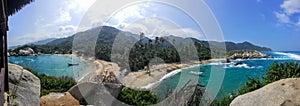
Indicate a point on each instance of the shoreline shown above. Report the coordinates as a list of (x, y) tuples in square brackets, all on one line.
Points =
[(142, 80), (139, 79)]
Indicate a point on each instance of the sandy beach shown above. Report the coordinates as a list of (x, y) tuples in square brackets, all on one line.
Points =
[(141, 78), (138, 79)]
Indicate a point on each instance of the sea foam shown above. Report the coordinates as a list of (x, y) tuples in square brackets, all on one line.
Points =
[(290, 55)]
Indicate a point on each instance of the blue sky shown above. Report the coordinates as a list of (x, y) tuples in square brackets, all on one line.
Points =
[(270, 23)]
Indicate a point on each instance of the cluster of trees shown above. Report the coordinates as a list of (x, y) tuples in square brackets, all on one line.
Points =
[(276, 71), (137, 97), (54, 84)]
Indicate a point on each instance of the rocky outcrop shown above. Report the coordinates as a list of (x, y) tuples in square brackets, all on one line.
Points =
[(23, 52), (59, 99), (280, 93), (98, 94), (247, 54), (24, 87)]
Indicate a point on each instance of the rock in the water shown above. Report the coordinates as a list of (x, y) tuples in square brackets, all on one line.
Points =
[(285, 92), (247, 54), (26, 52), (24, 87), (59, 99)]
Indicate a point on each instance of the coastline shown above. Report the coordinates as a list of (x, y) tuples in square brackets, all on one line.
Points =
[(142, 80)]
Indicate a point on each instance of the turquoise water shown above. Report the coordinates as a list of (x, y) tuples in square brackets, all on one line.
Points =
[(234, 76), (52, 65)]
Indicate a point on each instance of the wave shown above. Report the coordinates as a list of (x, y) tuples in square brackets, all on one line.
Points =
[(218, 63), (168, 75), (152, 85), (239, 66), (290, 55)]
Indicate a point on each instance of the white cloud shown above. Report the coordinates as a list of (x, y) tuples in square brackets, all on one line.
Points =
[(62, 17), (282, 17), (153, 27), (55, 20), (291, 7), (298, 23)]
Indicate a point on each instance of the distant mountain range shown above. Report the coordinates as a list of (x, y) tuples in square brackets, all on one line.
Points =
[(40, 42)]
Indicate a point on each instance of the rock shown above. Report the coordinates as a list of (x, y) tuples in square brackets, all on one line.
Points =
[(59, 99), (238, 63), (24, 87), (280, 93), (248, 54), (26, 52), (98, 94)]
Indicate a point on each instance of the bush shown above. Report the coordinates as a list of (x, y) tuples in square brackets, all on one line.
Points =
[(54, 84), (137, 97)]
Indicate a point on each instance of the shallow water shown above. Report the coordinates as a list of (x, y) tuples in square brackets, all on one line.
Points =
[(52, 65), (234, 77)]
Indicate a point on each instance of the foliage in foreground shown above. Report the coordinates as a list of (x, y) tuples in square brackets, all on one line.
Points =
[(276, 71), (137, 97), (54, 84)]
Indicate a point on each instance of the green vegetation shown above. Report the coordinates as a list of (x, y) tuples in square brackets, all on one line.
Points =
[(54, 84), (276, 71), (137, 97)]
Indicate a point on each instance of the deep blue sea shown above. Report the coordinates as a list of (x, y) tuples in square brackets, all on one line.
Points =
[(234, 76), (52, 65)]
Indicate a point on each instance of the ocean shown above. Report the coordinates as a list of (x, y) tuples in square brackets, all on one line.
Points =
[(52, 65), (226, 78), (234, 76)]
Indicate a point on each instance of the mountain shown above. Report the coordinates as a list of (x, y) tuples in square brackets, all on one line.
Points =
[(229, 45), (40, 42)]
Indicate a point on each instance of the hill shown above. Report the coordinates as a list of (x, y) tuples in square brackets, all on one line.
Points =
[(102, 41)]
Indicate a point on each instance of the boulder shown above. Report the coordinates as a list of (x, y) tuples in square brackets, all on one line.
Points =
[(59, 99), (26, 52), (98, 94), (24, 87), (285, 92)]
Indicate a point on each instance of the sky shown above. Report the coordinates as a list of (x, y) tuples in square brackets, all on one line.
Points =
[(270, 23)]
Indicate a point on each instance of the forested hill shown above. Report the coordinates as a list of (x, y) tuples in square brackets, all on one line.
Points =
[(140, 48)]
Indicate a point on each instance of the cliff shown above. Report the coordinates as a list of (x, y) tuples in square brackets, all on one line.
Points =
[(280, 93)]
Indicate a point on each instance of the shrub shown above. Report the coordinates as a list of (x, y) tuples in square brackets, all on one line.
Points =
[(54, 84), (137, 97)]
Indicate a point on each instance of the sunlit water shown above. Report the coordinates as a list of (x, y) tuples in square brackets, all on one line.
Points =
[(52, 65), (234, 77)]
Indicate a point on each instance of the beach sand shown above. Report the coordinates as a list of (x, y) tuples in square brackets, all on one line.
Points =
[(137, 79), (141, 78)]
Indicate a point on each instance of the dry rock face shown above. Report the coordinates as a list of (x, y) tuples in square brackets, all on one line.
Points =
[(24, 87), (23, 52), (248, 55), (285, 92), (59, 99)]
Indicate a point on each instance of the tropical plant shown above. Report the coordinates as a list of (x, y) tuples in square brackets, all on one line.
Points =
[(137, 97)]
